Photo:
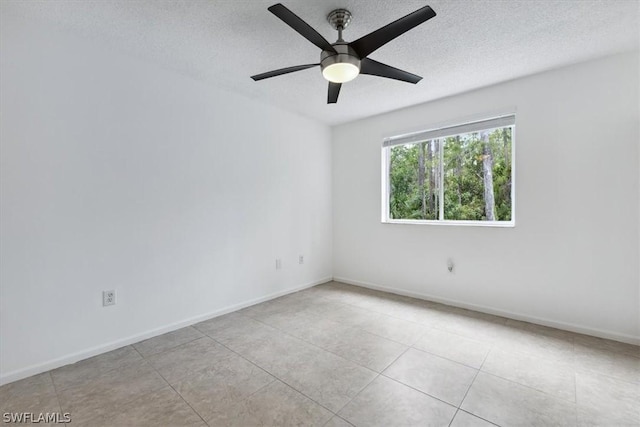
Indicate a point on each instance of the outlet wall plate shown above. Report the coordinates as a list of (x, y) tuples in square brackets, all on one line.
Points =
[(108, 298)]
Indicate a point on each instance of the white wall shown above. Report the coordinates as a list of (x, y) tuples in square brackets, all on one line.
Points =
[(571, 260), (117, 174)]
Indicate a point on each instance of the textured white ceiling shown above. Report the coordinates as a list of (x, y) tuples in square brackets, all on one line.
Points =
[(469, 44)]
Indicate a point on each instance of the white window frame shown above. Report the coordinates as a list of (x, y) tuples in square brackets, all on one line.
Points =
[(495, 122)]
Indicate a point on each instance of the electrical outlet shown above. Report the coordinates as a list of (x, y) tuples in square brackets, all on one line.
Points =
[(108, 298), (278, 263), (301, 259)]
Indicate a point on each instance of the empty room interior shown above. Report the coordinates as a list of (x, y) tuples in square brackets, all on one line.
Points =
[(320, 213)]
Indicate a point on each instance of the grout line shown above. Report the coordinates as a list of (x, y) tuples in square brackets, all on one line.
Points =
[(170, 348), (276, 377), (93, 357), (336, 415), (289, 334), (55, 391), (486, 356), (446, 358), (132, 401), (419, 391), (316, 346), (454, 416), (370, 382), (474, 415), (171, 386), (552, 396), (459, 408)]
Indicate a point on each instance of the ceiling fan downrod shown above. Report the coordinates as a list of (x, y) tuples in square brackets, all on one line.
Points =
[(339, 20)]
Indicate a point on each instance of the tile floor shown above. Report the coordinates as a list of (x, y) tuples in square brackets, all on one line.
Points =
[(338, 355)]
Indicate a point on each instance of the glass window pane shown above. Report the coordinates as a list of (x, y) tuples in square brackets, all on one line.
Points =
[(477, 176), (414, 181)]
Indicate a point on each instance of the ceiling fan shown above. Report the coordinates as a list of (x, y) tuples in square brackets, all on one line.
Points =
[(341, 61)]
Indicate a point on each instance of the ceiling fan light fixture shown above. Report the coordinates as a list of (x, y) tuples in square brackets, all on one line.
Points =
[(341, 72), (341, 67)]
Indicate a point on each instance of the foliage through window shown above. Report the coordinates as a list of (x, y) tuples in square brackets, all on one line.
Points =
[(460, 173)]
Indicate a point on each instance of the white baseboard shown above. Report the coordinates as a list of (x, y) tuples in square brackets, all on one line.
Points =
[(94, 351), (601, 333)]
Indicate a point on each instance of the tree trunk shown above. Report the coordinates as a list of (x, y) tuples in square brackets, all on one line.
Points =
[(505, 147), (507, 162), (390, 185), (459, 173), (432, 182), (421, 176), (487, 174)]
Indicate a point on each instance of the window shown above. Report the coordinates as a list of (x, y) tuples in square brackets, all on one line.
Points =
[(455, 175)]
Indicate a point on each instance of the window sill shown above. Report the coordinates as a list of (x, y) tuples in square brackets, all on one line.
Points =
[(499, 224)]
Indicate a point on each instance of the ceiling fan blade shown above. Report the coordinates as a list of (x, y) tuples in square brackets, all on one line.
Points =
[(334, 91), (282, 71), (295, 22), (375, 68), (373, 41)]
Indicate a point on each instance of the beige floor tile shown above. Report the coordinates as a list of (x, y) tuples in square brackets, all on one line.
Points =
[(325, 377), (412, 310), (595, 417), (304, 324), (346, 294), (452, 346), (85, 370), (438, 377), (346, 315), (291, 302), (366, 349), (585, 341), (388, 403), (274, 405), (464, 419), (234, 329), (161, 408), (373, 301), (352, 343), (477, 326), (198, 355), (167, 341), (602, 398), (33, 395), (507, 403), (327, 289), (553, 377), (543, 330), (105, 394), (212, 391), (398, 330), (269, 348), (618, 365), (545, 343), (329, 379), (336, 421)]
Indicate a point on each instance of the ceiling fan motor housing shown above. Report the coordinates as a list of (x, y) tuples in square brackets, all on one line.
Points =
[(345, 55)]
